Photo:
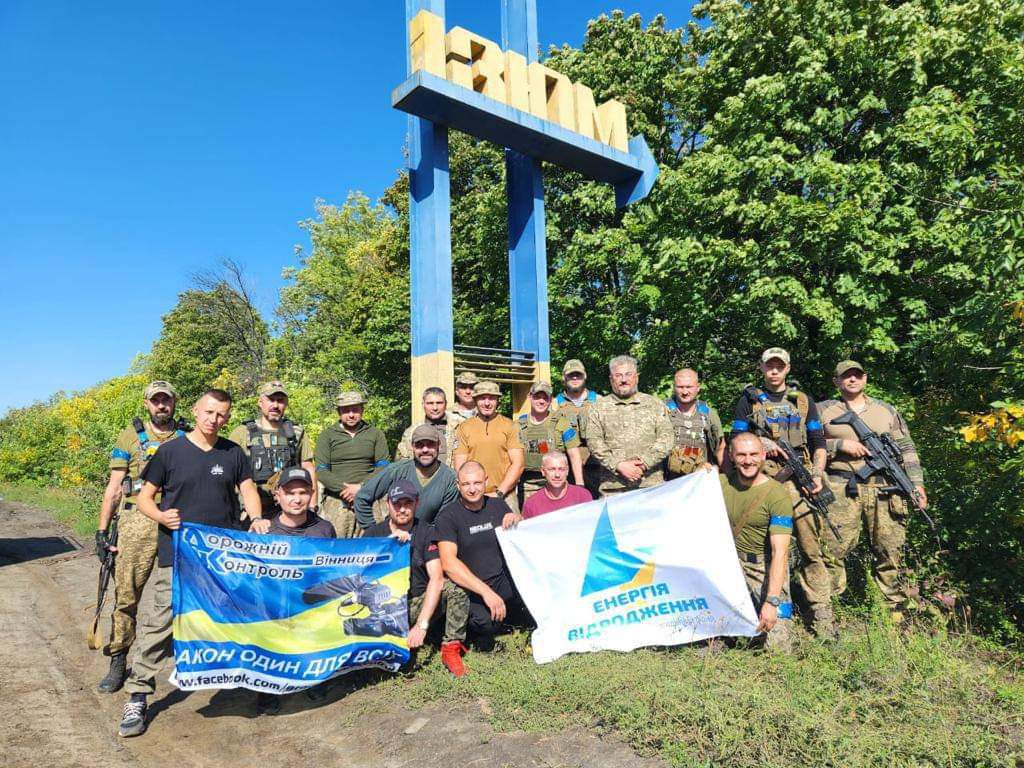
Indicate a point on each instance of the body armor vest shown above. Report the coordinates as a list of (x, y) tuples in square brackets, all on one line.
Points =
[(692, 435), (269, 460), (537, 439)]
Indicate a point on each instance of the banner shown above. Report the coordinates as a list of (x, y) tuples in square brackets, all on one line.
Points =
[(650, 567), (283, 613)]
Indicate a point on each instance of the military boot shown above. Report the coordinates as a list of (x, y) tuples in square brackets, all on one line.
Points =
[(116, 674)]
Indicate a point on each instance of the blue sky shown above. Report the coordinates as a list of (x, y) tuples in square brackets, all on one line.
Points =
[(141, 142)]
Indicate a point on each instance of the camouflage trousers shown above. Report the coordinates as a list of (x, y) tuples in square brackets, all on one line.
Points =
[(755, 573), (342, 516), (136, 556), (454, 605), (612, 483), (884, 517), (529, 484)]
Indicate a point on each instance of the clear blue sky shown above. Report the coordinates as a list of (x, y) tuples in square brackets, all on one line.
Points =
[(142, 141)]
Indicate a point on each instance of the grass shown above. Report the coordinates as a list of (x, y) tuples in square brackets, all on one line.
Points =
[(877, 698), (76, 509)]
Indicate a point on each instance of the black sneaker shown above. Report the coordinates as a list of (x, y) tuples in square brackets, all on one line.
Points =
[(116, 675), (133, 719)]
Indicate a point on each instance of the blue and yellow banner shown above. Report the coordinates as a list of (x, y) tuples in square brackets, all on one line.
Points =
[(280, 613)]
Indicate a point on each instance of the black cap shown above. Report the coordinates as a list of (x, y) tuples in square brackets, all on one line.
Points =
[(403, 489), (294, 473)]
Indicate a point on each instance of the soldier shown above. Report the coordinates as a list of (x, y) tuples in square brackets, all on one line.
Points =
[(698, 429), (347, 453), (884, 513), (435, 409), (760, 514), (465, 403), (780, 411), (137, 537), (434, 480), (540, 431), (272, 443), (575, 401), (492, 440), (628, 432)]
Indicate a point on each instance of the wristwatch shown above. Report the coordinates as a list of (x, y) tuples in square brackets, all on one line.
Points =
[(499, 493), (424, 625), (773, 600)]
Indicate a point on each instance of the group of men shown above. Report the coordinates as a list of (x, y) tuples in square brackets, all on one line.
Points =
[(468, 470)]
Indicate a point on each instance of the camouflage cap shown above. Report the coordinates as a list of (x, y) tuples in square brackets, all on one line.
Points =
[(466, 377), (573, 366), (155, 387), (540, 386), (350, 397), (848, 365), (486, 388), (775, 353), (273, 388), (425, 432)]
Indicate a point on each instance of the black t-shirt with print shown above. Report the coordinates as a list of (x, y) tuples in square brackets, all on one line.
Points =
[(199, 484), (474, 533)]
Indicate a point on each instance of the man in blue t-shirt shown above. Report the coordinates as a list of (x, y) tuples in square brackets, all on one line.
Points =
[(198, 477)]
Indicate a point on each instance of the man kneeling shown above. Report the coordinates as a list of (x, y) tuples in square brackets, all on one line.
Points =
[(428, 588), (761, 515), (472, 558)]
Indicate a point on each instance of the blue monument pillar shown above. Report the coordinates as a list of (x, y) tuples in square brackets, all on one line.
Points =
[(527, 251), (430, 246)]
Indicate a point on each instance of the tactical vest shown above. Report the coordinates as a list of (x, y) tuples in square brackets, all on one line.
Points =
[(786, 419), (537, 439), (576, 413), (693, 438), (131, 486), (269, 460)]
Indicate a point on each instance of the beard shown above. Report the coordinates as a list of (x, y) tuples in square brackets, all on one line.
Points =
[(162, 420)]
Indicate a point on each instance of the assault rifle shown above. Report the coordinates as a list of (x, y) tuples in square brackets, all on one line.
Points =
[(883, 456), (793, 469), (106, 571)]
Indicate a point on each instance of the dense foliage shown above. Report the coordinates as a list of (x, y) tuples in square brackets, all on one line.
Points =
[(840, 178)]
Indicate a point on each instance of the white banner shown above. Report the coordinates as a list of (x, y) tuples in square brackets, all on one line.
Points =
[(651, 567)]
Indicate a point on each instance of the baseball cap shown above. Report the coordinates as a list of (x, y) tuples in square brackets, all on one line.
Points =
[(486, 388), (288, 474), (273, 388), (573, 366), (540, 386), (775, 353), (847, 365), (403, 489), (158, 386), (350, 397), (466, 377), (425, 432)]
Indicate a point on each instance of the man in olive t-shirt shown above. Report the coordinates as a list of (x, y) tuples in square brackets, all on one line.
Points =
[(761, 518)]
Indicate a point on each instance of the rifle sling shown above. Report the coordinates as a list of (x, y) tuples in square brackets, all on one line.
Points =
[(753, 504)]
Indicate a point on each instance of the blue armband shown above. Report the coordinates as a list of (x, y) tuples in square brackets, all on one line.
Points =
[(740, 426), (117, 453), (780, 521), (382, 463)]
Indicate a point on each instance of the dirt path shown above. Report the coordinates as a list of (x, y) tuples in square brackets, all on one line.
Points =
[(51, 715)]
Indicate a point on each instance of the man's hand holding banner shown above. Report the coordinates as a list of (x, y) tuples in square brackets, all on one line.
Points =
[(651, 567)]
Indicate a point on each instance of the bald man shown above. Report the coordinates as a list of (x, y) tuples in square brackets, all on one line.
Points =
[(699, 438)]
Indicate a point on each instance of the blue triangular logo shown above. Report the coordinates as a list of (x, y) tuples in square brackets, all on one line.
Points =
[(608, 566)]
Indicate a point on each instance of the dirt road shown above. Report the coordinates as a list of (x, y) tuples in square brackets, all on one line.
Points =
[(52, 716)]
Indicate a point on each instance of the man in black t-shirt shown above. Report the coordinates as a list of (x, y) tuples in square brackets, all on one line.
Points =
[(292, 495), (428, 588), (198, 477), (472, 558)]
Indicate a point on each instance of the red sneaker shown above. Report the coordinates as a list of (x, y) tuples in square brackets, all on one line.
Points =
[(451, 657)]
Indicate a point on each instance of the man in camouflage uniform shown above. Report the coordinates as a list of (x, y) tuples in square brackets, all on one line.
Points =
[(541, 431), (778, 410), (465, 403), (628, 432), (698, 429), (760, 515), (137, 537), (272, 443), (884, 514), (575, 402), (347, 453), (435, 411)]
